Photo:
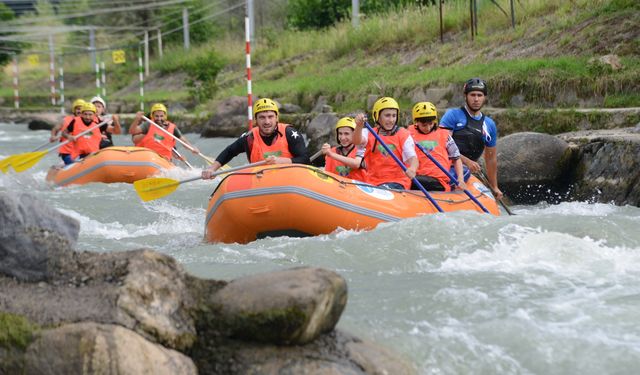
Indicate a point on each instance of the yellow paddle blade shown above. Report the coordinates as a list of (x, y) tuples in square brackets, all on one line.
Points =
[(155, 187), (22, 162), (6, 163)]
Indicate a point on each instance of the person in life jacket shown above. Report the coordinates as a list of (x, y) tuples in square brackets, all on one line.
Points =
[(269, 140), (87, 143), (440, 145), (346, 159), (475, 133), (145, 134), (65, 152), (382, 169), (107, 129)]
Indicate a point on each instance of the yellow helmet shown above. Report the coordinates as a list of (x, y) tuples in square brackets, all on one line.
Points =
[(77, 103), (384, 103), (346, 121), (88, 107), (424, 110), (263, 105), (159, 107)]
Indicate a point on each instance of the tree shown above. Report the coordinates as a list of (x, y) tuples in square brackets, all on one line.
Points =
[(7, 48)]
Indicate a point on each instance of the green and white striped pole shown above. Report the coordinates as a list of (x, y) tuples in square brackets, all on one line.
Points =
[(61, 82), (103, 73), (97, 78), (141, 77)]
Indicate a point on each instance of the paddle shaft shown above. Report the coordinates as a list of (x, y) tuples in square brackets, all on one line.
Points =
[(185, 144), (78, 135), (181, 158), (315, 156), (485, 181), (451, 177), (404, 168)]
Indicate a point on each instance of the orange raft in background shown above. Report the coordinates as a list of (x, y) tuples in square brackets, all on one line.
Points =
[(109, 165), (300, 200)]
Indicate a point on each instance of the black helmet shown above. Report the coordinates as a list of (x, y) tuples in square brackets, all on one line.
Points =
[(475, 84)]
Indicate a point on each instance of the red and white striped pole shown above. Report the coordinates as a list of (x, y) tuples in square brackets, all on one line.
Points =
[(16, 93), (247, 29)]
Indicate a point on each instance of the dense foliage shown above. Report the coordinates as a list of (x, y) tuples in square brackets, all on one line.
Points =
[(7, 47), (316, 14), (203, 71)]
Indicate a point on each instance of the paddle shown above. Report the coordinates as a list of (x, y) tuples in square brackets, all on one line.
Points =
[(158, 187), (181, 158), (485, 181), (315, 156), (185, 144), (22, 162), (6, 162), (451, 177), (404, 168)]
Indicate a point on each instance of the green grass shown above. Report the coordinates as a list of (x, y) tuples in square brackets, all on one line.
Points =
[(15, 331)]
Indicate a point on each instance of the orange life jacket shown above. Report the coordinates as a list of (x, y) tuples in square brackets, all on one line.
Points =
[(279, 147), (436, 143), (69, 148), (87, 143), (334, 166), (381, 167), (159, 141)]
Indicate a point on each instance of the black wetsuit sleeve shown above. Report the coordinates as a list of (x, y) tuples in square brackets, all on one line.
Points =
[(177, 132), (297, 148), (70, 127), (236, 148)]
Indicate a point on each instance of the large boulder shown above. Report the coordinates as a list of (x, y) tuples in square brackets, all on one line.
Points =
[(141, 290), (44, 121), (321, 130), (334, 353), (229, 119), (32, 234), (607, 168), (90, 348), (533, 167), (287, 307)]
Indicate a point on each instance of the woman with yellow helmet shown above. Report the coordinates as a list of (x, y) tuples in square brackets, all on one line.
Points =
[(145, 134), (346, 159), (106, 130), (382, 169), (269, 140), (438, 142)]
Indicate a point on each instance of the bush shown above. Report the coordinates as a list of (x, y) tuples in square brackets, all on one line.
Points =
[(203, 71)]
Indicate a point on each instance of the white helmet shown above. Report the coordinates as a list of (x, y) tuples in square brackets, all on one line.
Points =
[(99, 100)]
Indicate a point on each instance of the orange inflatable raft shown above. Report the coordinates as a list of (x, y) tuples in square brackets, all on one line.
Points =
[(300, 200), (111, 164)]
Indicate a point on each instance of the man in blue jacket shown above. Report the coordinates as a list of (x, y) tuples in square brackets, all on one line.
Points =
[(474, 133)]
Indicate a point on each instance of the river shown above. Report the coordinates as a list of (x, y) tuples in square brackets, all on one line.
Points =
[(554, 289)]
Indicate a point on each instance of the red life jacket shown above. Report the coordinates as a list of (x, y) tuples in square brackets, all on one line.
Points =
[(69, 148), (159, 141), (87, 143), (381, 167), (279, 147), (436, 143), (334, 166)]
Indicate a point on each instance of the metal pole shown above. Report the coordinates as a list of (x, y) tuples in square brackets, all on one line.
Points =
[(185, 28), (159, 33), (97, 79), (471, 17), (355, 13), (247, 28), (16, 92), (92, 46), (146, 53), (52, 71), (475, 16), (513, 15), (103, 77), (61, 78), (141, 78)]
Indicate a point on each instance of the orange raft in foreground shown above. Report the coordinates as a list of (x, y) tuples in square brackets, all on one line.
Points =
[(109, 165), (299, 200)]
